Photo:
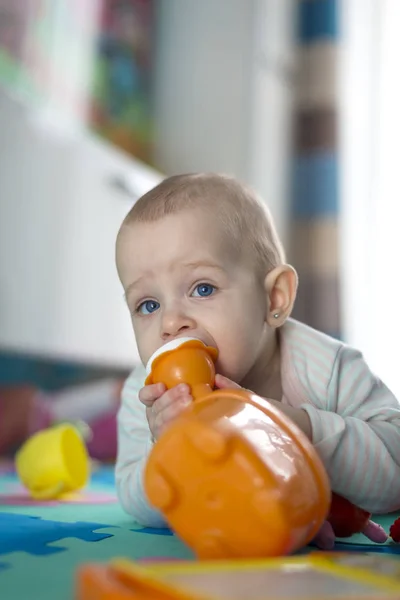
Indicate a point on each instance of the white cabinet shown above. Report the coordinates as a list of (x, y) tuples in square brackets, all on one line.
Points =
[(59, 216)]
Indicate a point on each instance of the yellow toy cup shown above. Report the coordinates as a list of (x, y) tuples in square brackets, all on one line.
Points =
[(53, 462)]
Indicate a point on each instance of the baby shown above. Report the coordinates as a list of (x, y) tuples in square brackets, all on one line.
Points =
[(199, 256)]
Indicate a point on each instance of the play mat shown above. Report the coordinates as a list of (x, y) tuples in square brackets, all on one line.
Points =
[(42, 544)]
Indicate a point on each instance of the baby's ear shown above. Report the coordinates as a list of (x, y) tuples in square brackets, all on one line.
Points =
[(281, 288)]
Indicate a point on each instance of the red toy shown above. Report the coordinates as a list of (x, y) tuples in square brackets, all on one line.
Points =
[(345, 518), (395, 531)]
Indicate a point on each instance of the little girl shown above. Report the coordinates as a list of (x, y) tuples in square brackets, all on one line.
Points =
[(199, 256)]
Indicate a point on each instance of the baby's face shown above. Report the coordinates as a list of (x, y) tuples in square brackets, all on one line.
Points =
[(182, 277)]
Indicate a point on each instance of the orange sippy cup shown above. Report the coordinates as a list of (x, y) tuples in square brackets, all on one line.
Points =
[(232, 475), (184, 360)]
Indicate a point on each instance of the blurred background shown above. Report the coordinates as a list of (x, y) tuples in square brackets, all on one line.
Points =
[(100, 99)]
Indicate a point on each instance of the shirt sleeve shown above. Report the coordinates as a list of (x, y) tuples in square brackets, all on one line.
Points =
[(357, 435), (134, 446)]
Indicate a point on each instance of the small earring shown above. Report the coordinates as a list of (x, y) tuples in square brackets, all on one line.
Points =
[(276, 315)]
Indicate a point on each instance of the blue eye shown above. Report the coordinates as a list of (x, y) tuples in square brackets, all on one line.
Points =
[(203, 290), (147, 307)]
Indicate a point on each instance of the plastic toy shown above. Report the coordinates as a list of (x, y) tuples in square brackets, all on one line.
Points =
[(395, 531), (322, 576), (347, 519), (233, 476), (53, 462)]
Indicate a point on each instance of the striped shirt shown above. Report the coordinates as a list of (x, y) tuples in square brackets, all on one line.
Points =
[(355, 423)]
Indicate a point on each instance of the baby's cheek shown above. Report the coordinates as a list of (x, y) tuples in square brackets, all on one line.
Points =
[(143, 354), (237, 356), (231, 365), (145, 344)]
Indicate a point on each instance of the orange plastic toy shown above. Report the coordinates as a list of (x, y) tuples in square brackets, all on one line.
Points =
[(318, 575), (233, 476)]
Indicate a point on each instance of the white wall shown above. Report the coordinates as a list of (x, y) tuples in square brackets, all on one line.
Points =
[(203, 83), (270, 139), (223, 91)]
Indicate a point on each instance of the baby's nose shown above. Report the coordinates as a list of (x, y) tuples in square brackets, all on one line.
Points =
[(175, 323)]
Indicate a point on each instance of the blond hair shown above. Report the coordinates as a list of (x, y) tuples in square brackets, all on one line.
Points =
[(244, 217)]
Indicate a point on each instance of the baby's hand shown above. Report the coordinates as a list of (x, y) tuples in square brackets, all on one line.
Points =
[(163, 406), (223, 383), (325, 538)]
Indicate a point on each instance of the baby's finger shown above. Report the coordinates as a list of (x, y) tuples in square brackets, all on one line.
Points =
[(325, 538), (149, 393), (223, 383), (375, 532), (168, 414), (171, 396)]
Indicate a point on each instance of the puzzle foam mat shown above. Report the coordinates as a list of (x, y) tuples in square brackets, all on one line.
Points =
[(42, 544)]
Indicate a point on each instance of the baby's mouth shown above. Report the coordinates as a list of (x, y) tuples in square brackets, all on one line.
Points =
[(206, 341)]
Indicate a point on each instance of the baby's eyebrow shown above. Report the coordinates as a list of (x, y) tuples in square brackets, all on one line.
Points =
[(203, 263), (131, 287)]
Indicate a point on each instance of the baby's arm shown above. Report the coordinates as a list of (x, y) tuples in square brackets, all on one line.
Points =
[(357, 435), (134, 446)]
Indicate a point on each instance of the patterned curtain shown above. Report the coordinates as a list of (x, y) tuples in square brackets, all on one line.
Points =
[(314, 209)]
